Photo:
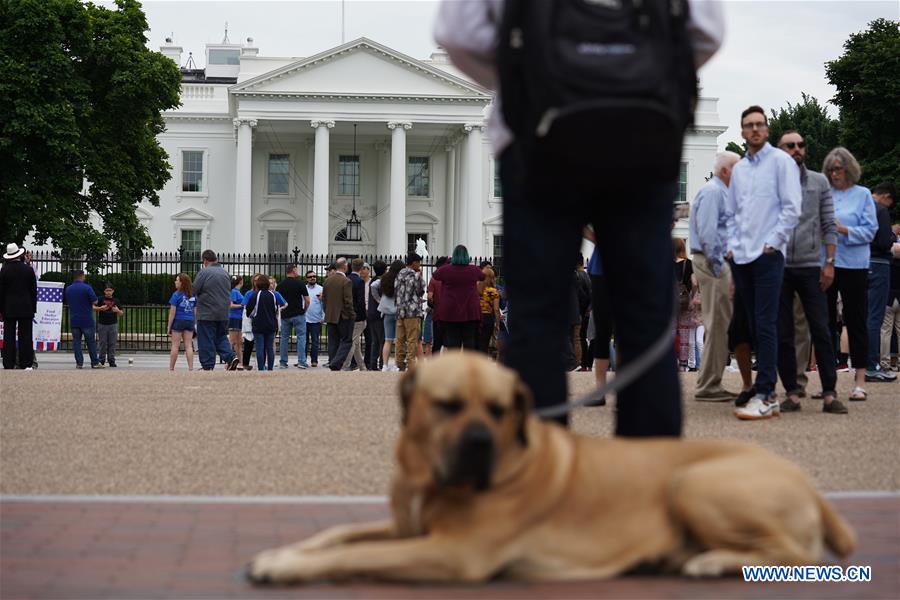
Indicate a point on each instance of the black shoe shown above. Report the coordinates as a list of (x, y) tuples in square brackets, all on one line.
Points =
[(835, 407), (744, 397), (790, 406), (232, 366), (113, 365)]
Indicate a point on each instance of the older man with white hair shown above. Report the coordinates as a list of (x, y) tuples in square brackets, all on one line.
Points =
[(707, 236)]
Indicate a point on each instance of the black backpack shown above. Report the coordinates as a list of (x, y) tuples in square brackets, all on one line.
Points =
[(606, 83)]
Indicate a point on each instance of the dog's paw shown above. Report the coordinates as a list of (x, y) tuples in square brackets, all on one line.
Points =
[(274, 566), (703, 565)]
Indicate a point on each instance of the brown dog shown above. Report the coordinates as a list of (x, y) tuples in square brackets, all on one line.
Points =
[(482, 488)]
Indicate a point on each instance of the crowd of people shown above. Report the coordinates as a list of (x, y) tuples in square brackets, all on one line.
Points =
[(789, 264)]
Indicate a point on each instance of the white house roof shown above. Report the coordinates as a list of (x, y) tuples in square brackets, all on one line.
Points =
[(361, 68)]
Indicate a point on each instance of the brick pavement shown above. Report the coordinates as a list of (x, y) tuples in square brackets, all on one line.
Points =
[(134, 549)]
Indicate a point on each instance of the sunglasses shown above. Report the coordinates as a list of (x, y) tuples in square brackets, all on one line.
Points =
[(792, 145), (835, 169)]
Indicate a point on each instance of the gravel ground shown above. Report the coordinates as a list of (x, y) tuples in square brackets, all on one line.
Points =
[(316, 432)]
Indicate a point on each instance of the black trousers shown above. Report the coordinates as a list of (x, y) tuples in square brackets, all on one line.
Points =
[(546, 207), (486, 332), (340, 338), (247, 352), (437, 333), (375, 333), (853, 285), (460, 334), (804, 282), (25, 345), (603, 325)]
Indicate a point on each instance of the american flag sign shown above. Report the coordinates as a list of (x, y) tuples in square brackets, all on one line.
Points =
[(48, 319)]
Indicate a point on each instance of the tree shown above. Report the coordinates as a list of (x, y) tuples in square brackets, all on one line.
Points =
[(739, 150), (80, 101), (868, 94), (809, 119)]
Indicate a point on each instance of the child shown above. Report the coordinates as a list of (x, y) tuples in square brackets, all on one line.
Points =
[(107, 324), (262, 308), (181, 320), (235, 313)]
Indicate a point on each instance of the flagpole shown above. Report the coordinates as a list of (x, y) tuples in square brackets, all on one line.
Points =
[(343, 5)]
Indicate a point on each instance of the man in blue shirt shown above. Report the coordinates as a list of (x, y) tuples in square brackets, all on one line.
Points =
[(82, 303), (708, 246), (763, 206)]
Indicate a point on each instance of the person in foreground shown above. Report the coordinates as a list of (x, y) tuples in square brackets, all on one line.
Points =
[(481, 488)]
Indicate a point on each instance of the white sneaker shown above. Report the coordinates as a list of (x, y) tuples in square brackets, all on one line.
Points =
[(759, 408), (29, 369)]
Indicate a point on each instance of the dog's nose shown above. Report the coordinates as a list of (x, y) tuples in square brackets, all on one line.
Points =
[(476, 438)]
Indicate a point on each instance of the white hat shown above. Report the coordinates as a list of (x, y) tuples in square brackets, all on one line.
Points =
[(13, 251)]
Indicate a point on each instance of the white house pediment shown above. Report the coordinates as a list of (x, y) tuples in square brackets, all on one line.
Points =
[(361, 68), (191, 214), (278, 215)]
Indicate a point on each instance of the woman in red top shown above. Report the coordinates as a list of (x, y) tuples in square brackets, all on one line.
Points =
[(460, 307)]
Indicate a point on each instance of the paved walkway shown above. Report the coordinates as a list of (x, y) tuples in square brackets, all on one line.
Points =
[(133, 549), (296, 433)]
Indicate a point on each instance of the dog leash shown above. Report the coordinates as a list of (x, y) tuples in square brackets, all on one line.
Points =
[(623, 378)]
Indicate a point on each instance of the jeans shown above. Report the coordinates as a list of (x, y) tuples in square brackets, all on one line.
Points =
[(759, 284), (804, 282), (546, 209), (314, 335), (879, 289), (265, 350), (89, 337), (298, 324), (212, 338)]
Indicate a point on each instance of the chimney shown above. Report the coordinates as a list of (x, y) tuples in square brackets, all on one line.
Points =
[(440, 57), (250, 48), (170, 50)]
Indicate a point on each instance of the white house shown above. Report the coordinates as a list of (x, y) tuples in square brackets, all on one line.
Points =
[(273, 153)]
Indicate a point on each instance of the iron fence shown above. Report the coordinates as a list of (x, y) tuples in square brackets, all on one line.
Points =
[(144, 283)]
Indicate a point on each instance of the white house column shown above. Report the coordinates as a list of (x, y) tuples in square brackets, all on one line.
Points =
[(450, 203), (474, 189), (320, 229), (243, 188), (397, 209)]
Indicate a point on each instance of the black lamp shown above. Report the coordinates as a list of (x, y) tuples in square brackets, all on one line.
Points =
[(354, 227)]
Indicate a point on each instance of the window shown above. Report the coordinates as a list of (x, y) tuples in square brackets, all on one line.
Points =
[(682, 183), (192, 171), (411, 241), (348, 175), (418, 176), (224, 57), (191, 240), (498, 247), (278, 241), (279, 171), (498, 190)]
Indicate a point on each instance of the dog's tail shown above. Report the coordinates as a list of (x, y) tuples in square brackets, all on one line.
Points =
[(839, 536)]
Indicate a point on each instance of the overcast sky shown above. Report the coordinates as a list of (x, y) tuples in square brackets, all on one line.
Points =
[(773, 50)]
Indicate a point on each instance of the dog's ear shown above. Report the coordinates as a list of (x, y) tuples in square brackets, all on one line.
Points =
[(522, 402), (407, 388)]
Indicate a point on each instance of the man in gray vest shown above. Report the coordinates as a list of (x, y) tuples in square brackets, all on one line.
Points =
[(806, 276), (212, 288)]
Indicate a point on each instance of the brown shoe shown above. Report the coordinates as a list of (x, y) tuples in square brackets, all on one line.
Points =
[(834, 407)]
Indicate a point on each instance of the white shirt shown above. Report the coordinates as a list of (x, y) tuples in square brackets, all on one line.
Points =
[(315, 313), (467, 30)]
